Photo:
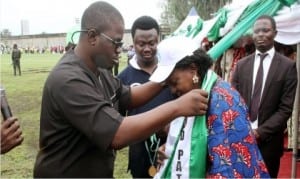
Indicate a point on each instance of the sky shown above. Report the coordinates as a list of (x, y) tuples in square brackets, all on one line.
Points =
[(58, 16)]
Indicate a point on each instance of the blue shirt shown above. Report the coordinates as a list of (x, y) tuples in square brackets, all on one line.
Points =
[(139, 160), (133, 76)]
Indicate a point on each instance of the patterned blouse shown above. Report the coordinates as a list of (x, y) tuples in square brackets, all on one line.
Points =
[(232, 148)]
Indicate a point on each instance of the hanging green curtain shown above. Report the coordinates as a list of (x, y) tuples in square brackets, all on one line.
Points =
[(245, 22), (195, 30), (191, 30), (214, 32)]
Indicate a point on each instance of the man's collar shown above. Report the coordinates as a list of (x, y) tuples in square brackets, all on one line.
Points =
[(269, 52), (133, 63)]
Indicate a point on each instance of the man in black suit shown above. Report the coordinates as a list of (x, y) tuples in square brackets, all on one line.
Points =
[(16, 56), (274, 100)]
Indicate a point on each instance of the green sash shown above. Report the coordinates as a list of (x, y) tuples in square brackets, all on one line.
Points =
[(198, 140)]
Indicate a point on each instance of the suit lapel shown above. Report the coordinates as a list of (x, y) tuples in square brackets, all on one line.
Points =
[(272, 71), (250, 64)]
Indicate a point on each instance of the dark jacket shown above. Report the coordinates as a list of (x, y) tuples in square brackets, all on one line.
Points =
[(277, 99)]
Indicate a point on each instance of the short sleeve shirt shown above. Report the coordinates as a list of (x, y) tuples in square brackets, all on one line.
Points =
[(79, 118)]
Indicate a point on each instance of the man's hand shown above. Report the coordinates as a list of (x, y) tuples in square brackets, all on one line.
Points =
[(193, 103), (256, 134), (11, 134)]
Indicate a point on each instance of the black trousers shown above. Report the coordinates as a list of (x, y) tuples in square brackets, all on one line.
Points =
[(273, 164), (16, 65)]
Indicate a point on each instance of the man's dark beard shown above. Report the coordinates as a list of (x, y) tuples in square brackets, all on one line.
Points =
[(103, 62)]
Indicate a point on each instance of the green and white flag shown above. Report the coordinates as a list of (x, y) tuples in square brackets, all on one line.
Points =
[(187, 143)]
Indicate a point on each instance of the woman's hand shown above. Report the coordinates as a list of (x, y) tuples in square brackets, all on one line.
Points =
[(161, 156)]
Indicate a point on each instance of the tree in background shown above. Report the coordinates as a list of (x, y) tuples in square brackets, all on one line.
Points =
[(175, 11)]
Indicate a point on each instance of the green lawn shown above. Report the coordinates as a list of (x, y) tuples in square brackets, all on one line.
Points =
[(24, 96)]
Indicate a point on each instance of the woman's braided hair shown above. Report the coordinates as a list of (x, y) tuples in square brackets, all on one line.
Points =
[(199, 58)]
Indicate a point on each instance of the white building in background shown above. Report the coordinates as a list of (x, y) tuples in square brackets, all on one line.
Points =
[(24, 27), (77, 21)]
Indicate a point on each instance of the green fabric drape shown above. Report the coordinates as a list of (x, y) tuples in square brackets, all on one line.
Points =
[(245, 22), (197, 162), (194, 31), (191, 30), (214, 32)]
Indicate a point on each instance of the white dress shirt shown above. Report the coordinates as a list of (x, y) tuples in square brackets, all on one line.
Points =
[(266, 66)]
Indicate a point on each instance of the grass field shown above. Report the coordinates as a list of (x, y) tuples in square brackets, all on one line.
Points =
[(24, 95)]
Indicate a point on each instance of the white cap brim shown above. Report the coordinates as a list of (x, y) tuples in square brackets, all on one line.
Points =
[(161, 73), (169, 52)]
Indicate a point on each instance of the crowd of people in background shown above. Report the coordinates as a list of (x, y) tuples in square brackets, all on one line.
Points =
[(53, 49)]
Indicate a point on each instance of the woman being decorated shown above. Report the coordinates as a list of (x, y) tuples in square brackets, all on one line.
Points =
[(220, 144)]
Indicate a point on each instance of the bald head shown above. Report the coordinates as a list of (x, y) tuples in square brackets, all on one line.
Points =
[(100, 15)]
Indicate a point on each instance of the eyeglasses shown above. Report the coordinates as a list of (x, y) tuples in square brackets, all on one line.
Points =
[(118, 44)]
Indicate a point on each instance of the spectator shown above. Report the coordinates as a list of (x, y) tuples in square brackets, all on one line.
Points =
[(130, 53), (145, 34), (16, 56), (11, 134), (270, 95), (69, 46)]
